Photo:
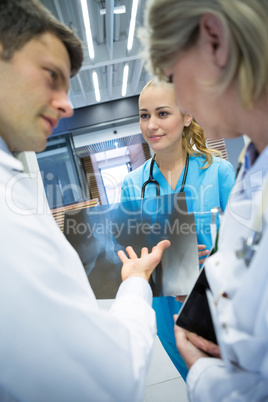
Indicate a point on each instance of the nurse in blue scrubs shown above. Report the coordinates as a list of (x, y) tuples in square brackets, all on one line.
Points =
[(181, 162)]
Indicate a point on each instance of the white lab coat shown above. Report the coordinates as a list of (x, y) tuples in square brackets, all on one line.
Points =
[(241, 320), (55, 343)]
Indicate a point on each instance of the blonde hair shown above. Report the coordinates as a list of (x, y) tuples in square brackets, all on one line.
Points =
[(194, 142), (172, 26), (193, 137)]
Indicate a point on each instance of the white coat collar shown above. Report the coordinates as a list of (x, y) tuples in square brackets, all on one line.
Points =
[(7, 159)]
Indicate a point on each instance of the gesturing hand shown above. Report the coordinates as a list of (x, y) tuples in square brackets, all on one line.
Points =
[(143, 266)]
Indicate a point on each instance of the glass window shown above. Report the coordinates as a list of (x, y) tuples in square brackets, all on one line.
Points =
[(61, 177), (113, 179)]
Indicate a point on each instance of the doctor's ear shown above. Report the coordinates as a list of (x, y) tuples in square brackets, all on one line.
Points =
[(213, 40), (187, 120)]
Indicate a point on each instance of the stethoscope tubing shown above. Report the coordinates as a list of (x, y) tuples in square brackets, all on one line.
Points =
[(151, 180)]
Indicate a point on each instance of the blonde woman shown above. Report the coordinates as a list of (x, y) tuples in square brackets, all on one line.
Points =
[(178, 142), (216, 54), (181, 161)]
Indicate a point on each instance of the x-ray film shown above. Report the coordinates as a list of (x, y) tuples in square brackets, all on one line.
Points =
[(98, 233)]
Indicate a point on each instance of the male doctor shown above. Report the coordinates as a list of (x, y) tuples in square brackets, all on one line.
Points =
[(216, 54), (55, 344)]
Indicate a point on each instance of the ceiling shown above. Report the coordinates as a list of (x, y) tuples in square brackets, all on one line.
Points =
[(110, 36)]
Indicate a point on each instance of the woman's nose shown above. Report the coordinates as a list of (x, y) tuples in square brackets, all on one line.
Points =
[(153, 123)]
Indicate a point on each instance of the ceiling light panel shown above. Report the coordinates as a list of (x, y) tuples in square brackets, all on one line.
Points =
[(110, 48), (132, 24), (87, 24)]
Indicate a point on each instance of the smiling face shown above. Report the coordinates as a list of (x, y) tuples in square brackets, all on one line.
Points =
[(33, 96), (161, 121)]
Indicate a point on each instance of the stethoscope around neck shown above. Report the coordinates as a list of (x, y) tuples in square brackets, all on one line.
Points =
[(151, 180)]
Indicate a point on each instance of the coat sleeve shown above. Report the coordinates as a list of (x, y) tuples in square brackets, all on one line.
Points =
[(208, 380), (56, 344)]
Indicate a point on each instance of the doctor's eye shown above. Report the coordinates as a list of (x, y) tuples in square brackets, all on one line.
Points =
[(53, 74), (170, 79)]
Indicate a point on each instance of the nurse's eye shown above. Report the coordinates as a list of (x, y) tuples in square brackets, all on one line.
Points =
[(144, 116), (163, 114)]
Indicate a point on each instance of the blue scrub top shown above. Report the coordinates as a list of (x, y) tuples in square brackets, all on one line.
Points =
[(204, 189)]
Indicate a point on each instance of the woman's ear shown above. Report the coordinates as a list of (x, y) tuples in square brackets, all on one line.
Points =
[(187, 120), (213, 39)]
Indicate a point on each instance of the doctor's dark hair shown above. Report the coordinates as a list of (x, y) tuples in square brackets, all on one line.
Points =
[(23, 20), (193, 137), (172, 26)]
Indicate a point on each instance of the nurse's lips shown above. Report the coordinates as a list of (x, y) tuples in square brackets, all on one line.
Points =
[(155, 137)]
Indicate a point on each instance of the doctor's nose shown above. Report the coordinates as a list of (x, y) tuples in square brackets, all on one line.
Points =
[(62, 104)]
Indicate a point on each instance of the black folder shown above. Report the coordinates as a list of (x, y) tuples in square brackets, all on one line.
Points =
[(195, 315)]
